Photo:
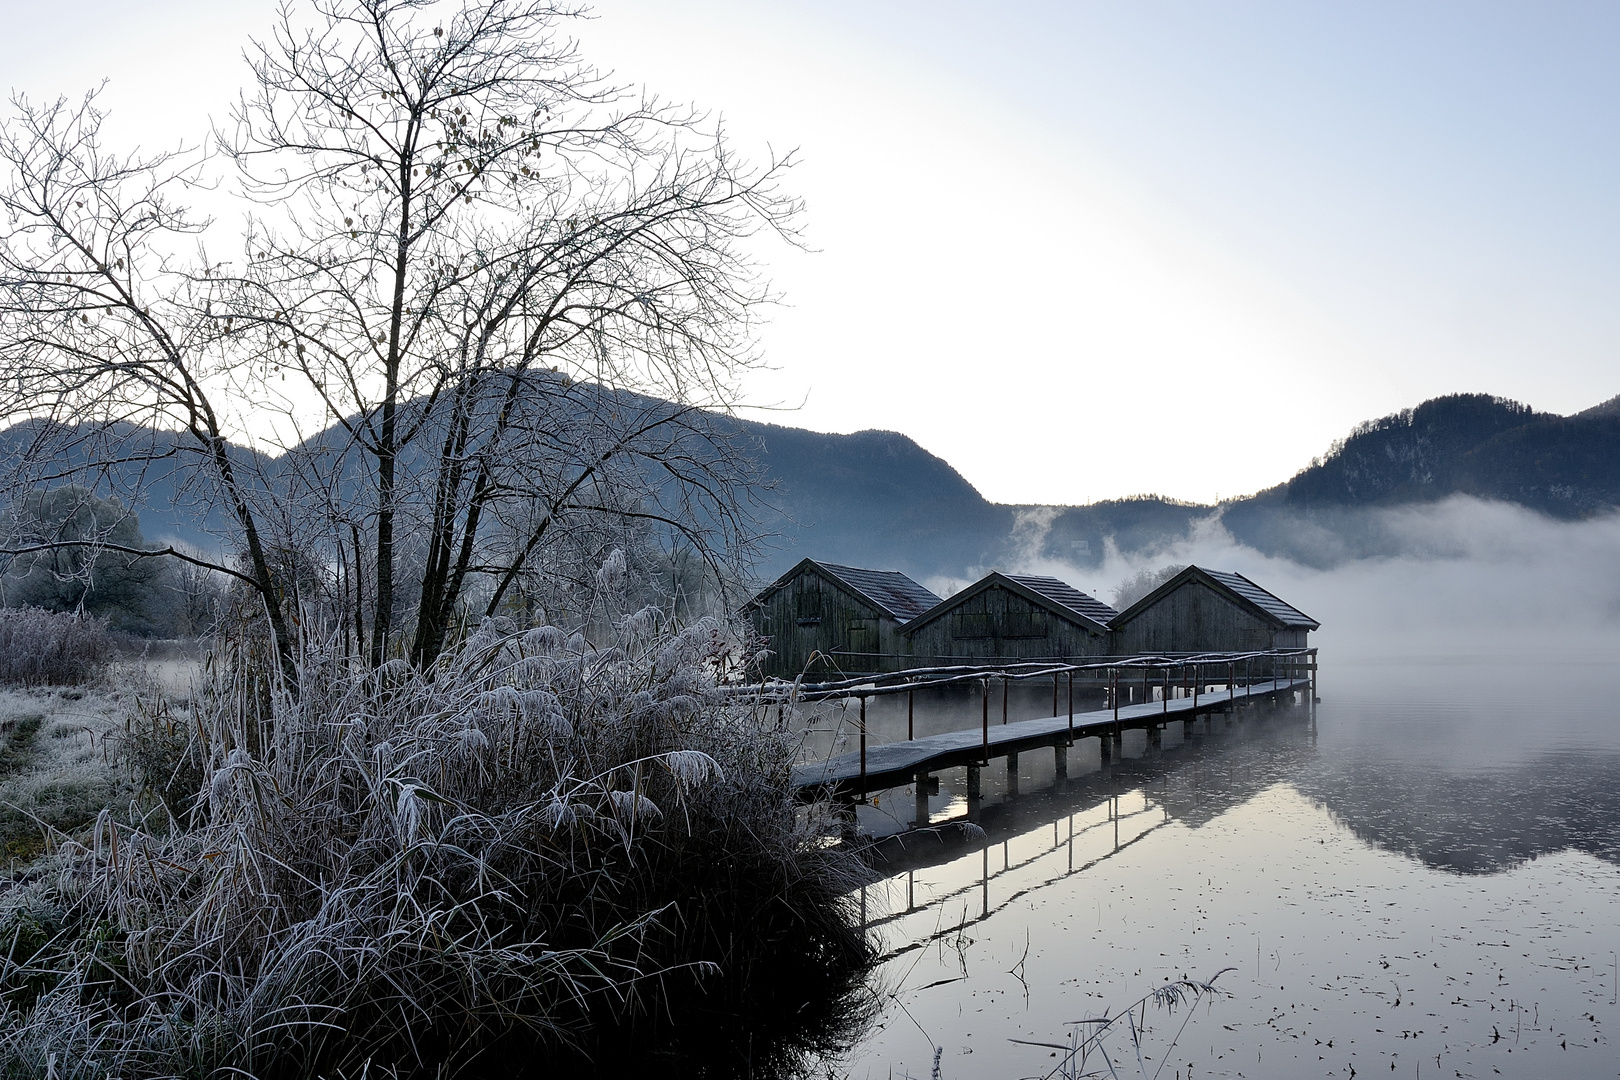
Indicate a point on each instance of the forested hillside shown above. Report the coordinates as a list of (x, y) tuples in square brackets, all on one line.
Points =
[(1473, 444), (876, 498)]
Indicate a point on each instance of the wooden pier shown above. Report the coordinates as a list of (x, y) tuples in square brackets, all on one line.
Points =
[(850, 777)]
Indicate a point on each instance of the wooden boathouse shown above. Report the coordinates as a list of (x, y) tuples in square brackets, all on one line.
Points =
[(843, 617), (1201, 649), (1002, 616), (1202, 610)]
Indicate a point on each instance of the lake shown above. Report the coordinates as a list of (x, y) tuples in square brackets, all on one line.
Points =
[(1423, 882)]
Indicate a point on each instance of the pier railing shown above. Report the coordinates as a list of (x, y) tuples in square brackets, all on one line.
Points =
[(1240, 668), (1240, 676)]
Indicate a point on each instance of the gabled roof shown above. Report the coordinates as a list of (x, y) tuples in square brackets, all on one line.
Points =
[(1070, 597), (1059, 598), (1236, 587), (889, 591)]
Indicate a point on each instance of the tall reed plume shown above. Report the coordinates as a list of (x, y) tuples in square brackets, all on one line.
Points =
[(538, 854)]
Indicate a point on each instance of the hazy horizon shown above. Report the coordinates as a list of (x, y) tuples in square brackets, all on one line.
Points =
[(1039, 230)]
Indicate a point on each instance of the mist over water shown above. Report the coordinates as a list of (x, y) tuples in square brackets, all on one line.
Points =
[(1462, 577), (1425, 882)]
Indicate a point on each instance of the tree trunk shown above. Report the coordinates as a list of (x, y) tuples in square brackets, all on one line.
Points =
[(382, 622)]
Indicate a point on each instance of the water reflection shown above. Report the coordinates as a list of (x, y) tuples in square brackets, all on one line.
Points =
[(1407, 877), (1477, 823)]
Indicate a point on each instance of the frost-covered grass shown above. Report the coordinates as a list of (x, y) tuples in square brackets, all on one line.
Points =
[(57, 765), (541, 850), (43, 648)]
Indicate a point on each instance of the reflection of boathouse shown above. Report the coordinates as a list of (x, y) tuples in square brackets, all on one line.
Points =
[(1010, 616), (850, 616), (1202, 610)]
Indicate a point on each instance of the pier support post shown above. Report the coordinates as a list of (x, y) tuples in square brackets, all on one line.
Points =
[(1155, 736), (1012, 774), (1060, 761), (1105, 748), (974, 790), (1187, 728), (922, 799)]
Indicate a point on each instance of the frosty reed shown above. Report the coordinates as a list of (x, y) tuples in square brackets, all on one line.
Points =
[(539, 851)]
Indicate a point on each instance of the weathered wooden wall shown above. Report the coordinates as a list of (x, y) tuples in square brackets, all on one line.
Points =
[(812, 612), (1194, 618), (999, 623)]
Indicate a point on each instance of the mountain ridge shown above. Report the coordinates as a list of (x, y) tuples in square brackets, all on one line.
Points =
[(878, 498)]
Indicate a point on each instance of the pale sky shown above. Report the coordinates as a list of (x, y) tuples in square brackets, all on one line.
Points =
[(1084, 250)]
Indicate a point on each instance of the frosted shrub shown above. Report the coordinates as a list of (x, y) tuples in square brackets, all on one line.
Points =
[(536, 851), (45, 648)]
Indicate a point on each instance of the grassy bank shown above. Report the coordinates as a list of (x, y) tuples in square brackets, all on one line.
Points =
[(542, 854)]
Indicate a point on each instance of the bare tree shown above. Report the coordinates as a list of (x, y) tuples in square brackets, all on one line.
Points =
[(105, 342), (506, 288)]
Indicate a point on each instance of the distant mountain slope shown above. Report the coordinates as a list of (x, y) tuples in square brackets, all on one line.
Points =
[(876, 498), (1606, 408), (155, 466), (1470, 444)]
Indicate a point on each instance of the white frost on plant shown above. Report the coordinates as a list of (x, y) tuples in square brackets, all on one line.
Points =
[(543, 639), (631, 806), (691, 767), (220, 783), (501, 704), (472, 741), (610, 579), (558, 815), (408, 815), (542, 710)]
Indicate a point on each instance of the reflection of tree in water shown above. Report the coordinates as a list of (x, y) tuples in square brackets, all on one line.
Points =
[(773, 1015), (1476, 822)]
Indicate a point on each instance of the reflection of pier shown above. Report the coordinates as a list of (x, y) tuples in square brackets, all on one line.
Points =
[(1127, 828), (1181, 686), (1033, 842)]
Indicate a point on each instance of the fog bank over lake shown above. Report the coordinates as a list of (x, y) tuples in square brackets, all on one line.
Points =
[(1478, 578)]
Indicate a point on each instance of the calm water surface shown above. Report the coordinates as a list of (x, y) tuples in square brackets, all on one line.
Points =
[(1425, 882)]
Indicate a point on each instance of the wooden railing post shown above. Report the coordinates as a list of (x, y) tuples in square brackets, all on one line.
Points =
[(863, 745), (986, 703), (1071, 706)]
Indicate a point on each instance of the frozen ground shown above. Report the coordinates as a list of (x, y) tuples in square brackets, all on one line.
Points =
[(59, 753)]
